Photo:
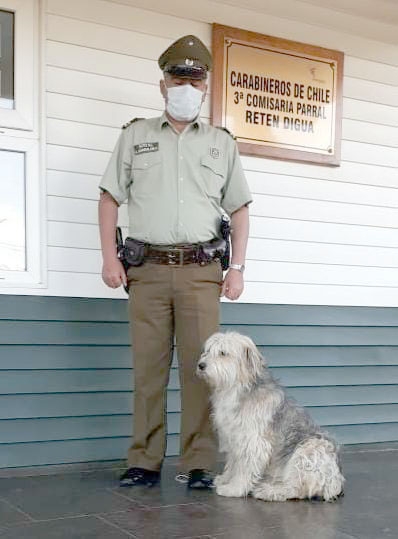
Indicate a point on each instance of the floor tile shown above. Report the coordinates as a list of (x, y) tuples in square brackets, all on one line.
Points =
[(48, 497), (174, 521), (10, 515), (69, 528), (367, 511), (163, 496), (274, 533)]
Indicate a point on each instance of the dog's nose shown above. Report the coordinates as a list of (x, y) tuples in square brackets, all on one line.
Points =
[(202, 366)]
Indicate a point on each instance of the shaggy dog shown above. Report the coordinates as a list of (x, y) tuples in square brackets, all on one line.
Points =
[(274, 451)]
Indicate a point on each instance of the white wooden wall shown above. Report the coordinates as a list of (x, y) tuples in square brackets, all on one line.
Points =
[(319, 235)]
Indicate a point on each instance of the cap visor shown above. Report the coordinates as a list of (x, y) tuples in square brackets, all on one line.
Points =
[(192, 72)]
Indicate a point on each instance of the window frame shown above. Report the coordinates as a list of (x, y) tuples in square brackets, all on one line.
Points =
[(22, 131), (23, 116), (32, 274)]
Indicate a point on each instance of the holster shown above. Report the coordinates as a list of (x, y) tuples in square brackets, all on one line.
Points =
[(211, 250), (131, 252), (225, 231), (134, 252)]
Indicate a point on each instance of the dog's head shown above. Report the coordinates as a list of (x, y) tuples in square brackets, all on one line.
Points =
[(230, 360)]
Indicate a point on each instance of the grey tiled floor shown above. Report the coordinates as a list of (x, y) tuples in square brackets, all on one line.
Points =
[(91, 505)]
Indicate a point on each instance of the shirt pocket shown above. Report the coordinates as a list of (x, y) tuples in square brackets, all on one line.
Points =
[(145, 172), (213, 174)]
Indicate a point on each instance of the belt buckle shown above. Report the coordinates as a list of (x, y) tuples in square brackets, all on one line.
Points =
[(172, 254)]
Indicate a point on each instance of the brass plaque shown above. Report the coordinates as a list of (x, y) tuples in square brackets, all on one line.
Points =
[(279, 98)]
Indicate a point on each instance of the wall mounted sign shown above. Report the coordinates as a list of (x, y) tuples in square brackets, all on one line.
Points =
[(279, 98)]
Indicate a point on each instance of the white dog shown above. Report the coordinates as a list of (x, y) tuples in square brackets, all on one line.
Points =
[(274, 451)]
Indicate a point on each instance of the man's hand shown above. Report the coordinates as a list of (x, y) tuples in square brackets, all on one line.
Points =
[(113, 273), (233, 285)]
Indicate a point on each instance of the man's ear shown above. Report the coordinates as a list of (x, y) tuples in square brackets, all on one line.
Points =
[(163, 88)]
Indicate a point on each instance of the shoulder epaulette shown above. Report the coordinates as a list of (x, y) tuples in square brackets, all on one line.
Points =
[(226, 130), (131, 122)]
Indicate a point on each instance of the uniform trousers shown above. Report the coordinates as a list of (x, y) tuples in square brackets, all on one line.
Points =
[(167, 301)]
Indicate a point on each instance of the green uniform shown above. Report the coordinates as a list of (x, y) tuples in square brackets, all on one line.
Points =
[(177, 185)]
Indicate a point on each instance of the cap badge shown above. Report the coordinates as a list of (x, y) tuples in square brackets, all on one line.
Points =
[(214, 153), (188, 62)]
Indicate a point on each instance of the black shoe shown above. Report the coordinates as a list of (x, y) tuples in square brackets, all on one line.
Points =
[(200, 479), (139, 477)]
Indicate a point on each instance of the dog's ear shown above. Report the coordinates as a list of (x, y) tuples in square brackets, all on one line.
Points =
[(255, 360)]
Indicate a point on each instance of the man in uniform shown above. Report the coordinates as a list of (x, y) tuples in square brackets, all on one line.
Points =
[(179, 176)]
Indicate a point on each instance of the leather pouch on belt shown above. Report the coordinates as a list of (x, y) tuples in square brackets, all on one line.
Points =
[(211, 250), (134, 252)]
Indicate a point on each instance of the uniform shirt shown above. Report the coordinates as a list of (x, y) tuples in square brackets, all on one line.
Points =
[(177, 185)]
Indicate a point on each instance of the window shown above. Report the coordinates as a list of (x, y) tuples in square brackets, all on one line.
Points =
[(7, 59), (18, 63), (12, 211), (20, 196)]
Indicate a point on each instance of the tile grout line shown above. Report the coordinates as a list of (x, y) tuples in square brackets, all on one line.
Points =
[(124, 497), (175, 505), (16, 508), (69, 517), (54, 519), (116, 526), (142, 505)]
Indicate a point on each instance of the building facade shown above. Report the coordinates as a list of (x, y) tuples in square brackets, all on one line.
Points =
[(321, 296)]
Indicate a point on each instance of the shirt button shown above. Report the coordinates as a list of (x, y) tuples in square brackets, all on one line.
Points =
[(181, 179), (181, 201)]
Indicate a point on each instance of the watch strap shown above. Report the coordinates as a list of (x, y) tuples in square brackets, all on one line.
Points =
[(239, 267)]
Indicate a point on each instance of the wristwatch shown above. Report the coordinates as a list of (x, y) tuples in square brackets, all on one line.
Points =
[(239, 267)]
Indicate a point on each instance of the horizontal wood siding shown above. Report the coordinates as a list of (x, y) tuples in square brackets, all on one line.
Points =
[(66, 374), (319, 235)]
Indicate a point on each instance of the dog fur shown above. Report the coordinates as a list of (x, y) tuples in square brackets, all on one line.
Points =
[(274, 451)]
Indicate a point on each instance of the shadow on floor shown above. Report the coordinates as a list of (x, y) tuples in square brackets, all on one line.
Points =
[(90, 504)]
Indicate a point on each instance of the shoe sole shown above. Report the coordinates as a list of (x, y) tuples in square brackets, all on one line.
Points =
[(137, 484), (199, 485)]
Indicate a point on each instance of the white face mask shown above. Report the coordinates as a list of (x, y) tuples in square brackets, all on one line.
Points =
[(184, 102)]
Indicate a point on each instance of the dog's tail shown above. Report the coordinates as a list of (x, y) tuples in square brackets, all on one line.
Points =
[(320, 470)]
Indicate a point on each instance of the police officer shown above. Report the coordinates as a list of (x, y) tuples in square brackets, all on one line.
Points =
[(179, 175)]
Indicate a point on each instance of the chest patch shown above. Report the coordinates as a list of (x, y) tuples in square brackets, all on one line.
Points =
[(146, 147), (214, 153)]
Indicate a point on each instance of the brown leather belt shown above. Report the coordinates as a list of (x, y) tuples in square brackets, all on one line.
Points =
[(172, 255)]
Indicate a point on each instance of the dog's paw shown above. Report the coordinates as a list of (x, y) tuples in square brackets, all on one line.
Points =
[(219, 480), (230, 491), (270, 493)]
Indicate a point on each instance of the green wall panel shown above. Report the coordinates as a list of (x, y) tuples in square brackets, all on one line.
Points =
[(66, 373)]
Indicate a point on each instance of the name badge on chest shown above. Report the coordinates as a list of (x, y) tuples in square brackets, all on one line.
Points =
[(146, 147), (215, 153)]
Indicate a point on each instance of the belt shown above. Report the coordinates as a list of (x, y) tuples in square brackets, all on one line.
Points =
[(173, 255)]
